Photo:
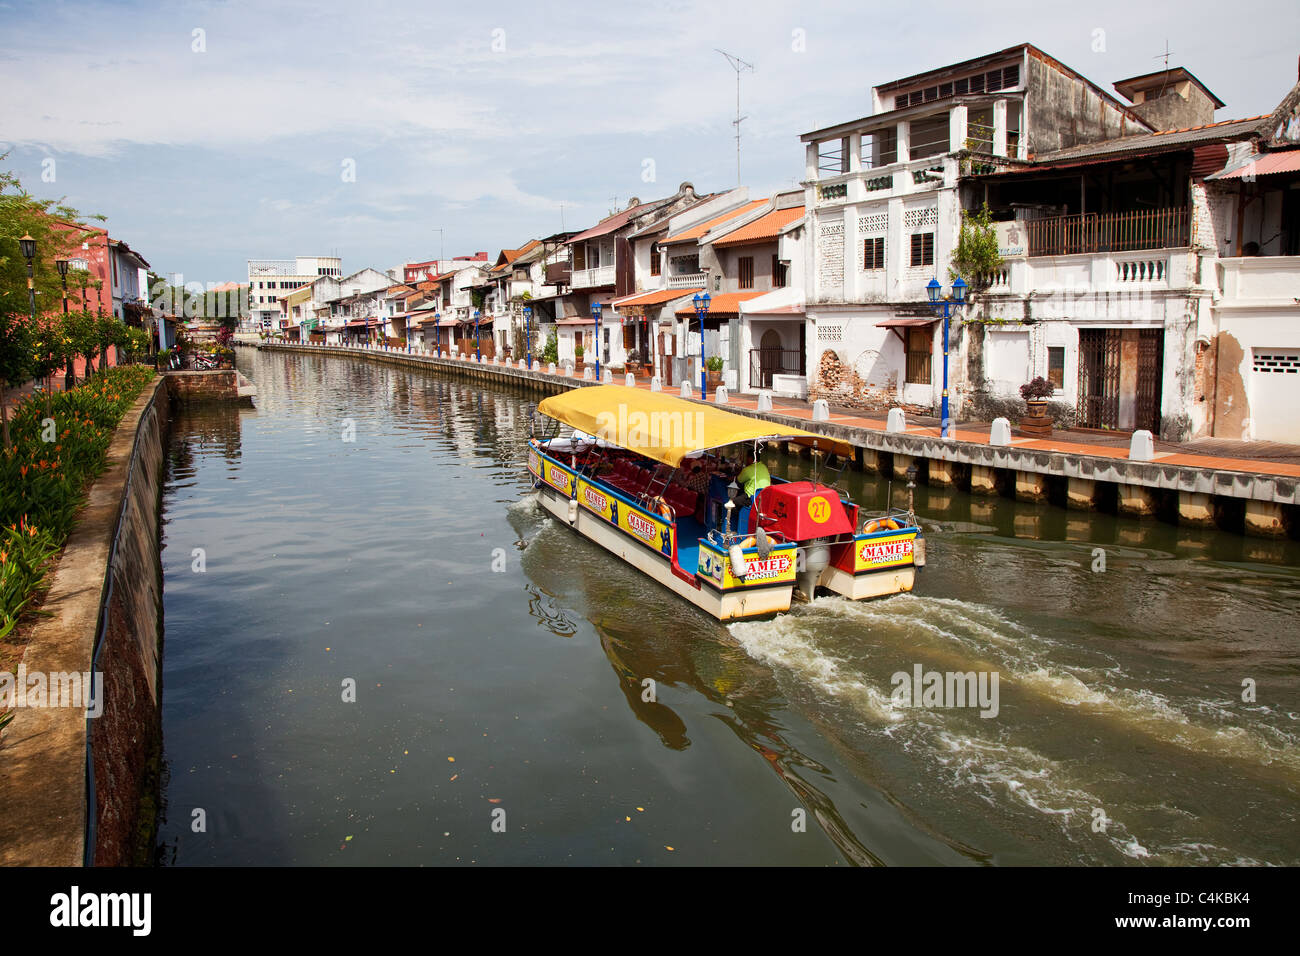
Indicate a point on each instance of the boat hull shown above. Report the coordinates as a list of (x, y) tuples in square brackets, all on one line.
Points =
[(725, 606)]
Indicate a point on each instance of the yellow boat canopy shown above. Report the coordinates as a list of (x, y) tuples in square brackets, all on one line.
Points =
[(666, 428)]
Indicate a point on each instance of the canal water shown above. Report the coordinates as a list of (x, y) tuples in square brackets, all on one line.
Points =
[(380, 651)]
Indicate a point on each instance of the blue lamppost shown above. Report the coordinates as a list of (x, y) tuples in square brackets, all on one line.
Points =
[(946, 306), (595, 314), (437, 331), (478, 355), (528, 333), (701, 303)]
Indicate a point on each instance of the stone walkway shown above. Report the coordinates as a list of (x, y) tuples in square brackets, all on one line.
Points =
[(1270, 458), (1252, 458)]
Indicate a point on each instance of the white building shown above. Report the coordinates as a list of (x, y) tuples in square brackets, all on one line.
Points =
[(271, 279)]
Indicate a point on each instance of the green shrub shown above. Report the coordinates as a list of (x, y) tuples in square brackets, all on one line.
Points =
[(44, 476)]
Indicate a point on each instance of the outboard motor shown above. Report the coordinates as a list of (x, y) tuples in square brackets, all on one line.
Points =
[(815, 557)]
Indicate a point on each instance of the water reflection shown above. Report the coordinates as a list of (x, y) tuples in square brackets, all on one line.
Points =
[(372, 558)]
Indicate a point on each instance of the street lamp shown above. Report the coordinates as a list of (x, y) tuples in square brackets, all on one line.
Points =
[(478, 353), (701, 303), (437, 332), (945, 306), (528, 334), (595, 314), (28, 247)]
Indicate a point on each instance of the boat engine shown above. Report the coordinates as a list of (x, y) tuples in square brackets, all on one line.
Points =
[(811, 515), (814, 558)]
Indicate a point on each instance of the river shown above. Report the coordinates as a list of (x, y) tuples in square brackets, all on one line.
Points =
[(380, 651)]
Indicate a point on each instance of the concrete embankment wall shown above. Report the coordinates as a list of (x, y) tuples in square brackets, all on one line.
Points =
[(105, 602), (213, 385), (1262, 504)]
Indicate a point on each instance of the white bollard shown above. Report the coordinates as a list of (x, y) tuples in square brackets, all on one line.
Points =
[(656, 385), (629, 380), (764, 400), (1142, 446), (897, 421), (685, 391), (1000, 432), (720, 394), (821, 411), (550, 368), (606, 377), (587, 373), (523, 363)]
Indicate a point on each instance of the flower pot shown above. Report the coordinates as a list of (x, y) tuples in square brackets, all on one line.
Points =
[(1037, 423), (714, 378)]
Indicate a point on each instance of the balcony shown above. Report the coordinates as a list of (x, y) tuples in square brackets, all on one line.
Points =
[(688, 280), (592, 278), (1108, 232)]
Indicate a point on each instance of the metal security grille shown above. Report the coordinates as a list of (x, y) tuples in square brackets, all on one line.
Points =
[(1150, 377), (1099, 378)]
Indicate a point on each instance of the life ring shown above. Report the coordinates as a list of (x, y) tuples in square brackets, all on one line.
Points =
[(880, 524), (663, 508)]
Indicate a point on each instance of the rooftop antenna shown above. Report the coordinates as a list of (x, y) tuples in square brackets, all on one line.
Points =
[(739, 66), (1165, 56)]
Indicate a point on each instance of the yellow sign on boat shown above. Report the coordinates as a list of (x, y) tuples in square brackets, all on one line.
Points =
[(885, 551), (665, 428), (778, 567), (651, 531)]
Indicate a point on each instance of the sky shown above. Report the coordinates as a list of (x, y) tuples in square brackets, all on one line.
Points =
[(210, 133)]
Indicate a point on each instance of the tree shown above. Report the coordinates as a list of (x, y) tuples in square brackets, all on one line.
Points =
[(59, 233), (976, 257)]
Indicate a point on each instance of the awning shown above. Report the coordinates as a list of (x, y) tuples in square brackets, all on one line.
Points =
[(575, 321), (900, 323), (724, 303), (1268, 164), (653, 298), (663, 427), (787, 300)]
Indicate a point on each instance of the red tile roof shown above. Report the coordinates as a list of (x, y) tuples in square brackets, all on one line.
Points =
[(762, 229), (699, 229)]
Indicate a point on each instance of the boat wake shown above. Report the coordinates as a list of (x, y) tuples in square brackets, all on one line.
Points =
[(849, 653)]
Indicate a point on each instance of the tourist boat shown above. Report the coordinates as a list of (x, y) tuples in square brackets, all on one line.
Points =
[(629, 478)]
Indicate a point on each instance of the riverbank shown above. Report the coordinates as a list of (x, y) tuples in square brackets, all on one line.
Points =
[(1257, 497)]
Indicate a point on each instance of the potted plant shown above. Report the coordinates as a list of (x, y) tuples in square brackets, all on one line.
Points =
[(714, 366), (1037, 423), (578, 351)]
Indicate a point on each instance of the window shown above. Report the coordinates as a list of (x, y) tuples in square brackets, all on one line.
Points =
[(779, 277), (922, 249), (1056, 365), (745, 265), (654, 259), (873, 253), (918, 356)]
